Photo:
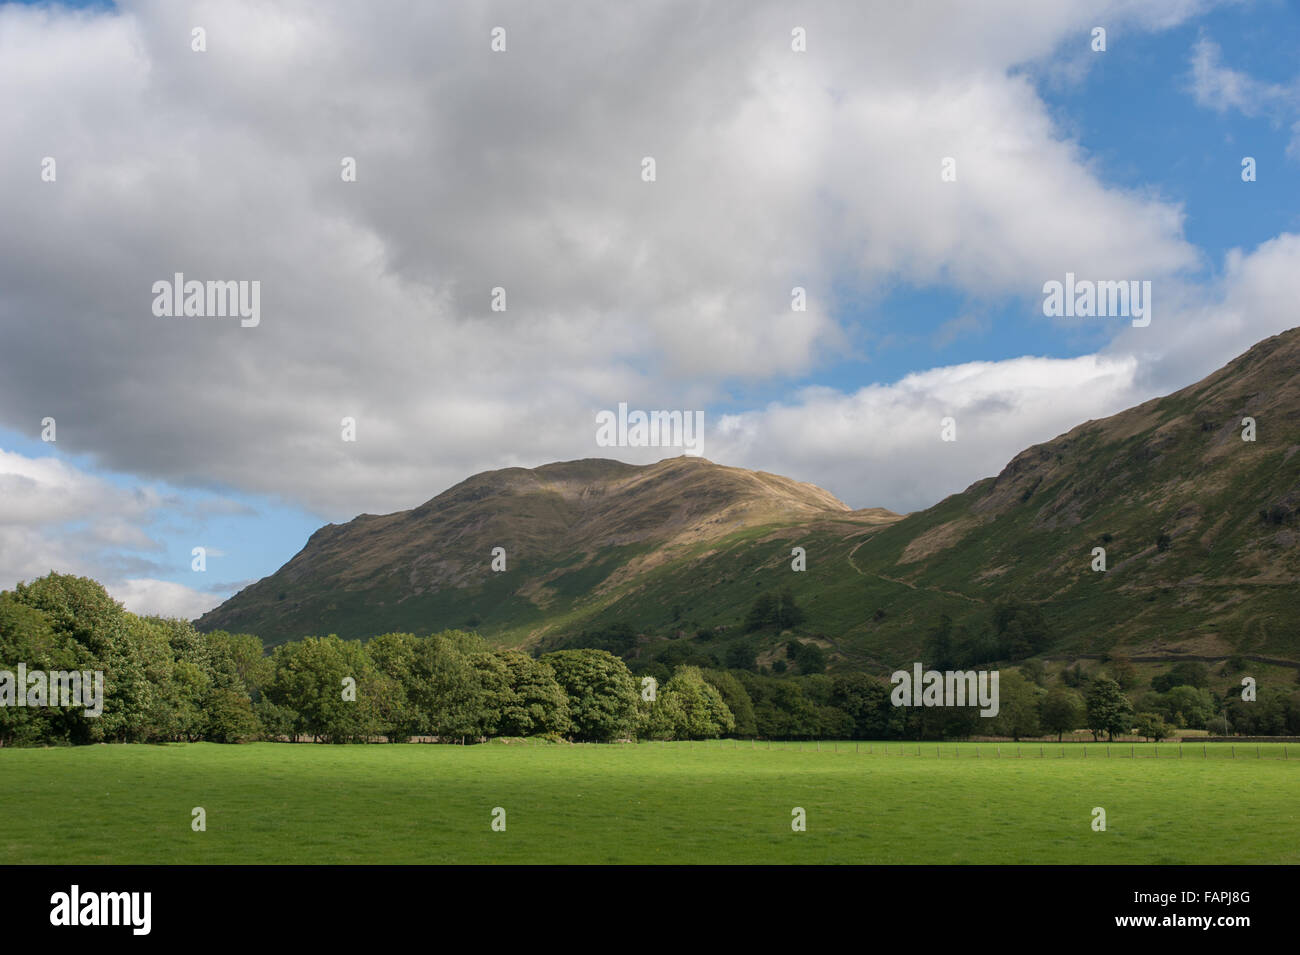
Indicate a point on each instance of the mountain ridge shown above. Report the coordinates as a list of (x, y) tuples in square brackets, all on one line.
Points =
[(546, 518), (1199, 528)]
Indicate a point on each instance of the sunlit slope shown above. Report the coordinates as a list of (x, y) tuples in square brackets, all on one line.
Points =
[(576, 537)]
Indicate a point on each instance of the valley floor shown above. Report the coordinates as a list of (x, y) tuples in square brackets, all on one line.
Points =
[(707, 802)]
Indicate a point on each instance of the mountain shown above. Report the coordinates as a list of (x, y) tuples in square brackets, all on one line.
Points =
[(577, 536), (1199, 527)]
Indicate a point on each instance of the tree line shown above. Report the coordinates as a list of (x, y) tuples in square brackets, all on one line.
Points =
[(166, 681)]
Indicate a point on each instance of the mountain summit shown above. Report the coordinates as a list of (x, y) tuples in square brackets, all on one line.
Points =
[(571, 533)]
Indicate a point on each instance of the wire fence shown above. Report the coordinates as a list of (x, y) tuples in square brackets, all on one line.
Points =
[(985, 750)]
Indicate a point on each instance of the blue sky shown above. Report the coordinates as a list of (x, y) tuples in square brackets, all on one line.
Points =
[(1134, 115), (1147, 137), (241, 533)]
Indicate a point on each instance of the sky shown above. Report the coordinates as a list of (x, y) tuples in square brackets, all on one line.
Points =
[(921, 171)]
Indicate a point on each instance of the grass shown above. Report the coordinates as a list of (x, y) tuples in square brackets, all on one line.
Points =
[(650, 803)]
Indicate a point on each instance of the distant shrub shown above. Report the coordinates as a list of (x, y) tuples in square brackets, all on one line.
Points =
[(810, 658), (1187, 673), (741, 656), (1151, 726)]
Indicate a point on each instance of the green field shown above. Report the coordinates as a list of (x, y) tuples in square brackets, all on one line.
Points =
[(715, 802)]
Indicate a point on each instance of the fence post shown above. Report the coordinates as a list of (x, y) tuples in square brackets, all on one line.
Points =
[(1040, 750), (1234, 750)]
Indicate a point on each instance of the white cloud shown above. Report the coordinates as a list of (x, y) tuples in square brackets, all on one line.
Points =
[(881, 445), (163, 598), (521, 170), (1224, 89), (56, 517), (47, 490), (1204, 327)]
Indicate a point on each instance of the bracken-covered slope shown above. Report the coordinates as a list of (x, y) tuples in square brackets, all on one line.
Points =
[(575, 534), (1199, 527)]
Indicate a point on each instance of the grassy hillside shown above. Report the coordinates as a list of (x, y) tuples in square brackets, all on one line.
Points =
[(1221, 579)]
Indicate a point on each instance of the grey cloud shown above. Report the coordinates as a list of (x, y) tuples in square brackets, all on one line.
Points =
[(520, 170)]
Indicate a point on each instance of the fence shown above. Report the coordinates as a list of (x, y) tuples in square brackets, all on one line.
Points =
[(1129, 750)]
